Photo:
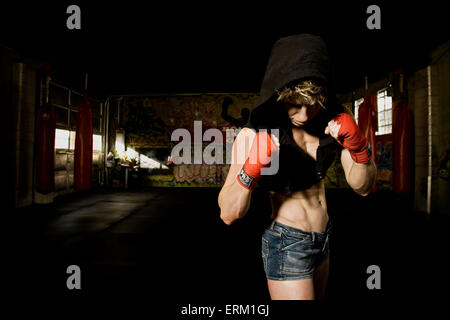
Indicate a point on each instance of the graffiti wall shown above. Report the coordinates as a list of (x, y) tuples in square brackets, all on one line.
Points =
[(191, 175), (150, 120)]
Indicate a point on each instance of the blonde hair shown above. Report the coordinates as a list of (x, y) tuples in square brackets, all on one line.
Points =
[(306, 92)]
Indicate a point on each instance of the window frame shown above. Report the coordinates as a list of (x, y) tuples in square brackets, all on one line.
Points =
[(384, 113)]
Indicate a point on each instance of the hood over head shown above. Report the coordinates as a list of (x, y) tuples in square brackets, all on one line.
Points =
[(293, 59)]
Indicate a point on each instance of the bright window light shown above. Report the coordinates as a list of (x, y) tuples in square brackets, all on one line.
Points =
[(65, 139), (148, 163), (120, 142), (357, 104), (72, 140), (384, 103), (131, 153), (61, 139), (97, 142)]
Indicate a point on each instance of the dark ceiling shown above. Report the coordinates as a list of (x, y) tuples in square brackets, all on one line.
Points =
[(129, 47)]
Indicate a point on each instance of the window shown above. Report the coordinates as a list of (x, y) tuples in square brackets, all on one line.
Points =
[(61, 139), (357, 104), (384, 103), (65, 139), (97, 142), (72, 140)]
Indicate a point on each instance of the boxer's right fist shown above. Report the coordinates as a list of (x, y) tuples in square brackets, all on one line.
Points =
[(345, 130), (260, 156)]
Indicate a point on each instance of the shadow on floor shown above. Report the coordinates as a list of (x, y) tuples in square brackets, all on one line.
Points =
[(170, 245)]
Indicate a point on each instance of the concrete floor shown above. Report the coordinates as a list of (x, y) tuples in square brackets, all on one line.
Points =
[(170, 245)]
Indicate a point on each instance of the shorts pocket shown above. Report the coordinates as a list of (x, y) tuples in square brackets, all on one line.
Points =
[(297, 254), (289, 242)]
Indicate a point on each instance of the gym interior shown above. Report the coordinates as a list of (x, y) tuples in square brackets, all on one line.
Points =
[(132, 221)]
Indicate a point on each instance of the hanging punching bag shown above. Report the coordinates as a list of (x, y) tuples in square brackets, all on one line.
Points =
[(367, 122), (83, 147), (45, 149), (401, 145)]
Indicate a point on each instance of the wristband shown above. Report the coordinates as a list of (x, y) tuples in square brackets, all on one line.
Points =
[(362, 156), (245, 180)]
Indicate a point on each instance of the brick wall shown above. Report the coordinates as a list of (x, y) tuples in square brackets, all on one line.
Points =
[(417, 98), (440, 72), (440, 133)]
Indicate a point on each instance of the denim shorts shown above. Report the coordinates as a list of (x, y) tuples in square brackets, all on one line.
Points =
[(292, 254)]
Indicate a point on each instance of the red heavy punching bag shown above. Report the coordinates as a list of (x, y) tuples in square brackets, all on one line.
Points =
[(401, 145), (83, 147), (367, 122), (45, 149)]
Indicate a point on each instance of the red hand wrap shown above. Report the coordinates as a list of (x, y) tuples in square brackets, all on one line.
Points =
[(260, 156), (351, 138)]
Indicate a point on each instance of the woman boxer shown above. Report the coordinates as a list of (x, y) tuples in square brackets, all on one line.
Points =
[(297, 98)]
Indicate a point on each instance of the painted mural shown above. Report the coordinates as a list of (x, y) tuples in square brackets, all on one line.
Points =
[(191, 175), (150, 120)]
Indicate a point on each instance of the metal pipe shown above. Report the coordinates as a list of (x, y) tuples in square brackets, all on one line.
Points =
[(18, 132), (107, 102), (118, 113), (430, 142), (69, 101), (47, 88), (119, 107), (65, 88), (171, 94), (102, 131), (63, 107), (73, 91), (353, 104), (401, 83)]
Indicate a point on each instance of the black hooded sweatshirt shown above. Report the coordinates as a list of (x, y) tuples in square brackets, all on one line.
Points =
[(294, 59)]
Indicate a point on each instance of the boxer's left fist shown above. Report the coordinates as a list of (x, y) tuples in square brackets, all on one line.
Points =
[(345, 130)]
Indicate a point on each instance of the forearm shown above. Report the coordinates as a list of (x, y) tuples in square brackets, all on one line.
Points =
[(360, 176), (234, 201), (234, 198)]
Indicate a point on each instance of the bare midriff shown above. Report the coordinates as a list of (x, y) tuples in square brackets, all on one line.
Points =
[(305, 209)]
